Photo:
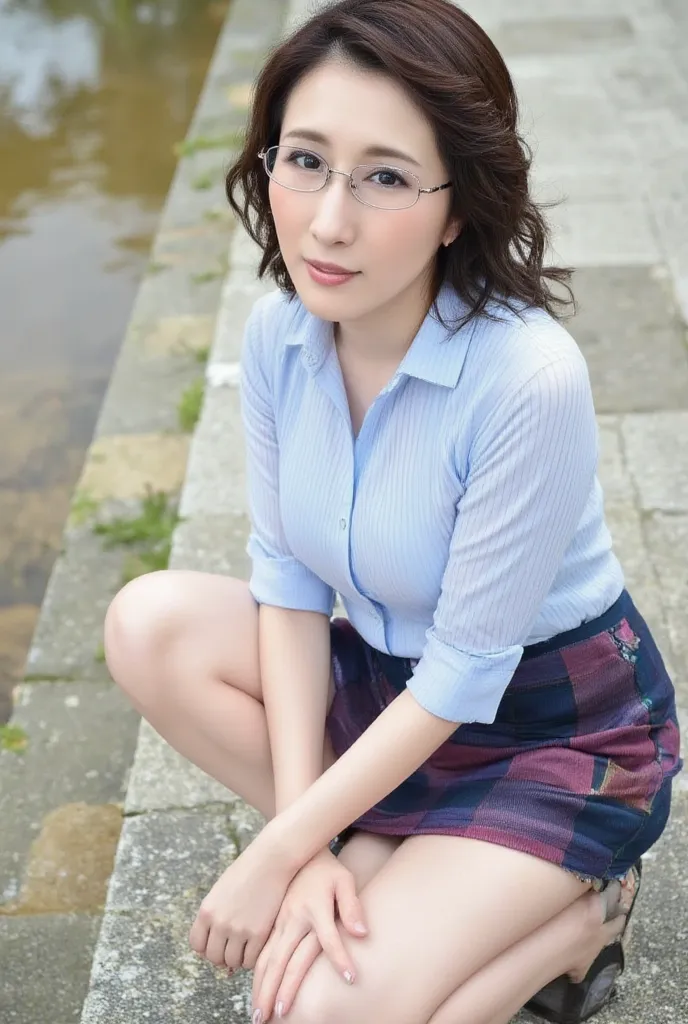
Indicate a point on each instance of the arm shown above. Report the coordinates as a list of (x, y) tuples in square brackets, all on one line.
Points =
[(294, 672), (295, 605), (531, 470)]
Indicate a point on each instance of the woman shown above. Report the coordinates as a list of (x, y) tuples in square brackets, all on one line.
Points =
[(494, 720)]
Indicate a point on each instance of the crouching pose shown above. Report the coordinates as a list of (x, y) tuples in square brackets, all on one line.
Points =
[(491, 731)]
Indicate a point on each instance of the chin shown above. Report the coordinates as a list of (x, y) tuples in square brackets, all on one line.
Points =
[(327, 306)]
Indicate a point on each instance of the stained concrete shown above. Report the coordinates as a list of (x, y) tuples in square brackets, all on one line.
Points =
[(603, 91), (61, 801), (80, 743), (45, 964)]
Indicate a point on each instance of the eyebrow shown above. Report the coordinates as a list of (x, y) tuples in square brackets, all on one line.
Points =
[(379, 151)]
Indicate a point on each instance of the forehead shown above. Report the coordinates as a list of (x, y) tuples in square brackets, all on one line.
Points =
[(357, 109)]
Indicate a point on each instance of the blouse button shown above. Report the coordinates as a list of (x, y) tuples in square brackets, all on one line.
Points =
[(342, 523)]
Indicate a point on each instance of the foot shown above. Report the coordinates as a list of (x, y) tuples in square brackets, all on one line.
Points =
[(603, 921)]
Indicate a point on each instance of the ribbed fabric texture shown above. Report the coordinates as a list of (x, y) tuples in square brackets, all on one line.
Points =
[(465, 520)]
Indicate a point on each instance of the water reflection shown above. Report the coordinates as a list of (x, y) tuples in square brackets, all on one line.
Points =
[(93, 95)]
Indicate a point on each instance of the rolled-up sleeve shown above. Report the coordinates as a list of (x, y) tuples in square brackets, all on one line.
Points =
[(277, 577), (531, 470)]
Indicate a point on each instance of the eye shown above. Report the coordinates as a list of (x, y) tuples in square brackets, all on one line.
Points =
[(389, 178), (311, 161)]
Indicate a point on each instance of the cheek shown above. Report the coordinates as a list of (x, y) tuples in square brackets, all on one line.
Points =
[(408, 234), (284, 214)]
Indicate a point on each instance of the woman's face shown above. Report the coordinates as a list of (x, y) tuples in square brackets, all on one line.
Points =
[(393, 251)]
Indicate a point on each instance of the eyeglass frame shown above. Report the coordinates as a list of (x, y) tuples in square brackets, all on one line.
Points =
[(262, 155)]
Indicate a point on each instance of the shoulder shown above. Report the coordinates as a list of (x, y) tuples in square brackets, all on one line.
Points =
[(273, 317), (524, 353)]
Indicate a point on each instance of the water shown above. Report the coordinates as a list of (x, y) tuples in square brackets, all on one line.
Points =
[(93, 96)]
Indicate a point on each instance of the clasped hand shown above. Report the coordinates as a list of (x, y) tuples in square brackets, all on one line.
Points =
[(236, 917), (305, 925), (260, 915)]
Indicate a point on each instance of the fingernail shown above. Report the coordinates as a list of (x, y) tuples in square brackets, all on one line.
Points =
[(360, 928), (280, 1010), (257, 1017), (348, 978)]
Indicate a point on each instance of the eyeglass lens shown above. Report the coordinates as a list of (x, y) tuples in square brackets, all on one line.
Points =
[(389, 188)]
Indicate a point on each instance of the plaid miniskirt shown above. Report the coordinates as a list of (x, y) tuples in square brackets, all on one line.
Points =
[(576, 768)]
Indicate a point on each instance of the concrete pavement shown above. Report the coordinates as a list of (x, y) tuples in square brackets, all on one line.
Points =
[(604, 90)]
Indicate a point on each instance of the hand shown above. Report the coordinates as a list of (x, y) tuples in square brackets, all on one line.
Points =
[(305, 925), (236, 917)]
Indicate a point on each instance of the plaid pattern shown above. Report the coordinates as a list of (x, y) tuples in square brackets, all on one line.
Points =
[(577, 767)]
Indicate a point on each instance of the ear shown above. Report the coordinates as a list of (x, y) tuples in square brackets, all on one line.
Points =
[(453, 231)]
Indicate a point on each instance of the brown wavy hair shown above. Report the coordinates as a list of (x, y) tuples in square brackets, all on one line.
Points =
[(457, 78)]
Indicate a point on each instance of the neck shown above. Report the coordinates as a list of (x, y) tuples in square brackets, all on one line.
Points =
[(385, 334)]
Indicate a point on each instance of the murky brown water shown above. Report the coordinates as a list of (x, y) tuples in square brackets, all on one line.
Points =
[(93, 96)]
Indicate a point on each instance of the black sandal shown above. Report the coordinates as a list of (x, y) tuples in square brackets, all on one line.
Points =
[(338, 843), (568, 1002)]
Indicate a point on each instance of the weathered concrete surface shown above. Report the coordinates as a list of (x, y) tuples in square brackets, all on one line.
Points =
[(603, 89), (633, 338), (45, 963), (80, 742), (61, 801)]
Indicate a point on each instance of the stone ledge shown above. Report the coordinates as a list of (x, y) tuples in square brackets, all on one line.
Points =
[(215, 482), (213, 543), (161, 779), (144, 967)]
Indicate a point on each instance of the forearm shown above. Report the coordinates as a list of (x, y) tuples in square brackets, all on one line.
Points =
[(295, 672), (397, 743)]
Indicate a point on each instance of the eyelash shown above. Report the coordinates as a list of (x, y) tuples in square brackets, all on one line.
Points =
[(381, 170)]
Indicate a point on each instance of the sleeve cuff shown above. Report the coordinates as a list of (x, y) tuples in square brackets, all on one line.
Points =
[(460, 686), (287, 583)]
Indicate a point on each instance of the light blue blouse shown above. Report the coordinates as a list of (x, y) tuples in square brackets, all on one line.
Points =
[(465, 520)]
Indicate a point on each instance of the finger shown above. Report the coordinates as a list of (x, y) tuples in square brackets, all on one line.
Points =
[(282, 953), (234, 952), (349, 905), (198, 936), (262, 965), (215, 949), (253, 949), (334, 949), (298, 967)]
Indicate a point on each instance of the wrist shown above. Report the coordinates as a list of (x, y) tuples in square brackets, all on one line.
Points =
[(279, 848)]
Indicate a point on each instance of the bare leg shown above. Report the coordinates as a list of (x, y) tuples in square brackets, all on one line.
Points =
[(569, 942), (184, 647)]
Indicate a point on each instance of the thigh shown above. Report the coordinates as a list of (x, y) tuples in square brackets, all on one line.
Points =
[(440, 909), (203, 624)]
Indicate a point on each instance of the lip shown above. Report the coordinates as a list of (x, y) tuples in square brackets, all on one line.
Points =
[(331, 268)]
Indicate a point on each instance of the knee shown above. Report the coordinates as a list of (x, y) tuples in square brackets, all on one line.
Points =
[(320, 1000), (140, 622), (324, 996)]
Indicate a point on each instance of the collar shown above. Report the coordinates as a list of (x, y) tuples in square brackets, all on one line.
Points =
[(435, 355)]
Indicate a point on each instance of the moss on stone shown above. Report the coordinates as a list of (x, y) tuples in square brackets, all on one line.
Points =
[(83, 507), (190, 405), (189, 147), (13, 739), (149, 532)]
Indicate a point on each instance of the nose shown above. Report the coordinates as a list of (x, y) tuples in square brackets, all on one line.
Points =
[(335, 215)]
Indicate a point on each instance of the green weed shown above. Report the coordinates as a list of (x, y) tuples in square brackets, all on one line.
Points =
[(188, 147), (149, 532), (13, 738), (190, 404), (83, 508)]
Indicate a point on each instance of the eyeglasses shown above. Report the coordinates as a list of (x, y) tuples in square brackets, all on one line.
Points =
[(378, 185)]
